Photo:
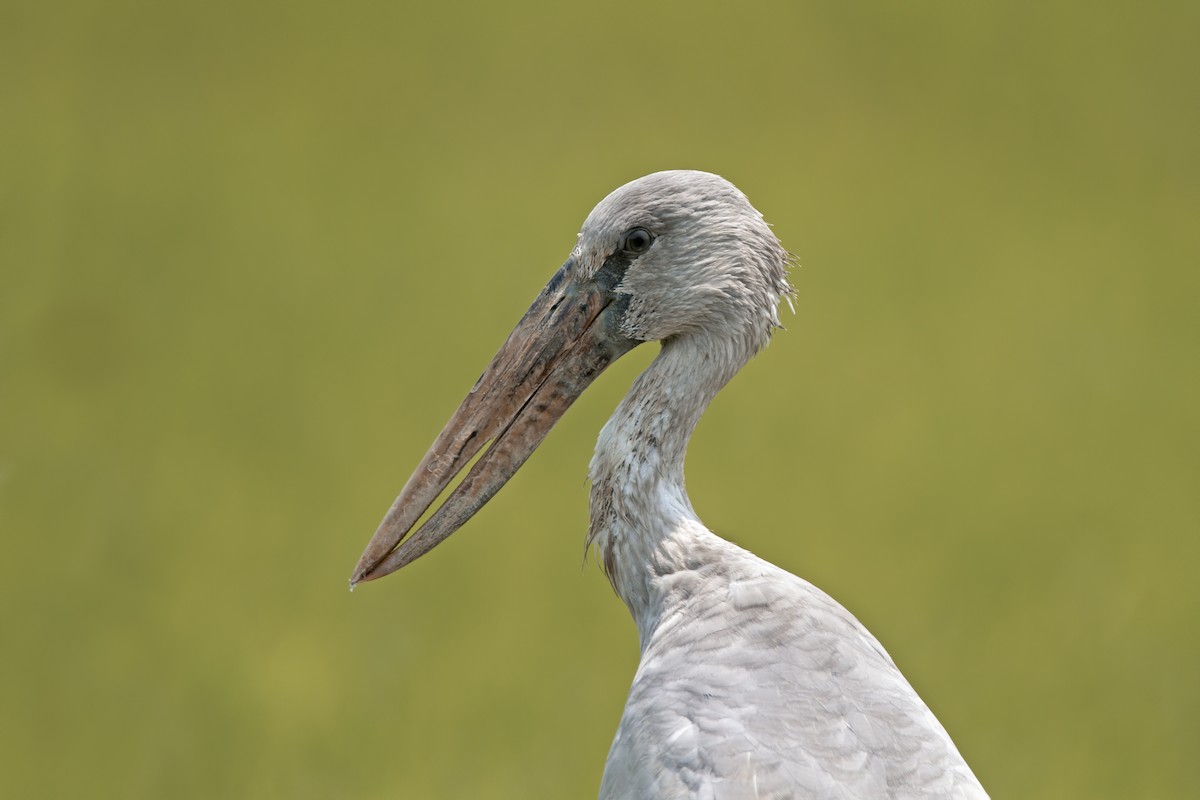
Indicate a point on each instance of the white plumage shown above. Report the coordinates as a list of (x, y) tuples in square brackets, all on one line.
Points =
[(752, 682)]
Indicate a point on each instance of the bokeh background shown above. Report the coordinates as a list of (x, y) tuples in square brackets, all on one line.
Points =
[(253, 253)]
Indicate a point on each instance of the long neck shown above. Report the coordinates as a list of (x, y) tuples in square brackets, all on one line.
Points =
[(642, 521)]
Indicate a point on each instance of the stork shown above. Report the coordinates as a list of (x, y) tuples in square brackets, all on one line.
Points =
[(752, 683)]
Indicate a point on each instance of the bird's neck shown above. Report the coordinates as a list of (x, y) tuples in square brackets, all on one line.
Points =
[(642, 522)]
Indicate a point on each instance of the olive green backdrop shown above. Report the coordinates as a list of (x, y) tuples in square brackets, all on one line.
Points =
[(253, 254)]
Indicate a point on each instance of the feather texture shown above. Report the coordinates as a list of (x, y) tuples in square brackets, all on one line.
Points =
[(752, 682)]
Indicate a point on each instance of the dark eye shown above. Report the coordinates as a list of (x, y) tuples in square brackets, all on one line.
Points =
[(638, 241)]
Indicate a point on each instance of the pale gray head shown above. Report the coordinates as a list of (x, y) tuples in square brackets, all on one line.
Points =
[(671, 255), (710, 262)]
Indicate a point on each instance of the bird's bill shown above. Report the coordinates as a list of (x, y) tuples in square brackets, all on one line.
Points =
[(567, 338)]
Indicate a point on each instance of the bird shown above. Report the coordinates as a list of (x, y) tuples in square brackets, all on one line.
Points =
[(752, 682)]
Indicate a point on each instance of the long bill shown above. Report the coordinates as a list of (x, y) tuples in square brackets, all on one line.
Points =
[(567, 338)]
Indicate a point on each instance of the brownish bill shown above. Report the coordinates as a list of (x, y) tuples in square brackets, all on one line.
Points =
[(563, 342)]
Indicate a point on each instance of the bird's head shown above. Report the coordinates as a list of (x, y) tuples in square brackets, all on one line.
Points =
[(692, 254), (673, 254)]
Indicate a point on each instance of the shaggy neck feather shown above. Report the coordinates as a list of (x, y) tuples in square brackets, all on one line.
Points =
[(642, 522)]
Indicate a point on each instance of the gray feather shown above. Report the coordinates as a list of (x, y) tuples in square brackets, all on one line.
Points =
[(752, 683)]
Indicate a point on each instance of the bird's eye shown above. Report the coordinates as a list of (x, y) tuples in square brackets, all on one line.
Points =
[(638, 241)]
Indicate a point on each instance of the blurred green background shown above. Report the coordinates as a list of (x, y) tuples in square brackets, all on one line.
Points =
[(253, 254)]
